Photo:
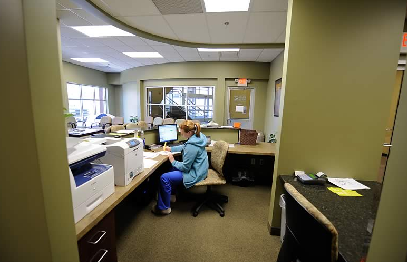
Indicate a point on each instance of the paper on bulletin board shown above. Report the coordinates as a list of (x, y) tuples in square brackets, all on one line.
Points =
[(239, 103), (343, 192)]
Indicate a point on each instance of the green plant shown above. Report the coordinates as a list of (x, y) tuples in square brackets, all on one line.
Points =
[(134, 119), (67, 114)]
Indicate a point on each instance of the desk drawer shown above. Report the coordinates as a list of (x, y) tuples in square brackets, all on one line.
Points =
[(98, 245)]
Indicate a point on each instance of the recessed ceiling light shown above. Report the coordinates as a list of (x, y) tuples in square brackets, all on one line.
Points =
[(89, 60), (218, 49), (226, 5), (101, 31), (143, 54)]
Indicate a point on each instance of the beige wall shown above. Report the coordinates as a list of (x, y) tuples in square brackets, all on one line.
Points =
[(218, 72), (271, 123), (336, 103), (36, 216), (82, 75), (389, 239)]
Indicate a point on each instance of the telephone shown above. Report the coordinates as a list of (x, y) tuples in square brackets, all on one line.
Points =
[(311, 179)]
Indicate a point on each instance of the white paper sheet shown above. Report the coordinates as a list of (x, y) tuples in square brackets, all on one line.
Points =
[(150, 154), (240, 109), (231, 145), (347, 183), (148, 163)]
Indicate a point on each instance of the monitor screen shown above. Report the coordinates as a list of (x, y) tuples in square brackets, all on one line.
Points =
[(167, 133)]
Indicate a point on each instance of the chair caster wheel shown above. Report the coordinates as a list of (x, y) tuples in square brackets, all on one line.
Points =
[(195, 214), (222, 214)]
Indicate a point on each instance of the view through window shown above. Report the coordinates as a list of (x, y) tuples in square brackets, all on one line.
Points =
[(86, 102), (181, 102)]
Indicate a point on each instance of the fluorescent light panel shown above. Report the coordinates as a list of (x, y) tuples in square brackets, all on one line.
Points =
[(89, 60), (226, 5), (101, 31), (218, 49), (143, 54)]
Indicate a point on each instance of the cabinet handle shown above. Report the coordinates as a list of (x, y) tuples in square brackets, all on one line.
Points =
[(101, 258), (100, 238)]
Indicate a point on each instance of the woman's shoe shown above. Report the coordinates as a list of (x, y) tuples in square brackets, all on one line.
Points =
[(158, 211)]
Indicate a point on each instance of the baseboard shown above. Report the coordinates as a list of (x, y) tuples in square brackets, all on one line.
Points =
[(275, 231)]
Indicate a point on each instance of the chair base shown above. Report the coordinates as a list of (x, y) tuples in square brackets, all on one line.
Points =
[(212, 200)]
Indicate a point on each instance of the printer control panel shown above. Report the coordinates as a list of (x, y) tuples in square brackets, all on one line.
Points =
[(133, 143)]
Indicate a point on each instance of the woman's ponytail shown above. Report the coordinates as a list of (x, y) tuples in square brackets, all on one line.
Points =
[(197, 129)]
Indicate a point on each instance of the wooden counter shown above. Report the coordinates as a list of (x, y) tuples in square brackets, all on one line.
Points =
[(262, 149), (90, 220)]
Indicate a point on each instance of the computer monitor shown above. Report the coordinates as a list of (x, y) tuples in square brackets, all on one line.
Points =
[(167, 133)]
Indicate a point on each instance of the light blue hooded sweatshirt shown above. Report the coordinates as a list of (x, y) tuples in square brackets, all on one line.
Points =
[(194, 165)]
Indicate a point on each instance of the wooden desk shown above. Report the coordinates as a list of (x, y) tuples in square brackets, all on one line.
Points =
[(349, 215), (260, 149), (90, 220)]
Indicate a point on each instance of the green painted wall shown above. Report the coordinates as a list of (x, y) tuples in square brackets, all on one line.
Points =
[(338, 84), (36, 216), (217, 72), (82, 75), (389, 239), (271, 123)]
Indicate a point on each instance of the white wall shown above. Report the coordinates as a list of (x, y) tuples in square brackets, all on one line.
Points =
[(131, 101)]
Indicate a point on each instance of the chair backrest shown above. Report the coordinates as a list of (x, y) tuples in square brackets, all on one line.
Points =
[(106, 120), (132, 126), (115, 128), (70, 119), (310, 227), (179, 121), (149, 120), (218, 155), (168, 121), (158, 121), (118, 120)]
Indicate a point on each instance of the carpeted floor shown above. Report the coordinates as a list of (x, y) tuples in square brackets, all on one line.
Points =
[(240, 236)]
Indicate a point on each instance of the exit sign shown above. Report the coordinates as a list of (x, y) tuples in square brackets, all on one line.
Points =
[(404, 41)]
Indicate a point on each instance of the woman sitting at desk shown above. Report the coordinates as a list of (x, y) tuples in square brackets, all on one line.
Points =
[(190, 171)]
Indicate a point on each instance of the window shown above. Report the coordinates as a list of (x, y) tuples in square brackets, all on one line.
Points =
[(181, 102), (86, 102)]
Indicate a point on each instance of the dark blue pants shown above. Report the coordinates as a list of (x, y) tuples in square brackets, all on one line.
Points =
[(168, 182)]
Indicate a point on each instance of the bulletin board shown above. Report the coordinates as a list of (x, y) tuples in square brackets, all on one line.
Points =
[(239, 103)]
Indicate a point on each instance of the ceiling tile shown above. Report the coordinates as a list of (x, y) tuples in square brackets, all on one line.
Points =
[(209, 56), (189, 27), (68, 4), (192, 58), (112, 42), (133, 7), (166, 48), (152, 24), (90, 18), (173, 54), (175, 59), (231, 55), (61, 7), (269, 5), (250, 53), (143, 48), (90, 42), (69, 18), (186, 50), (103, 49), (281, 38), (131, 40), (153, 43), (268, 55), (106, 7), (232, 33), (228, 59), (265, 27), (70, 33)]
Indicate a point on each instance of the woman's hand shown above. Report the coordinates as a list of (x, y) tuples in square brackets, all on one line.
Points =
[(171, 157)]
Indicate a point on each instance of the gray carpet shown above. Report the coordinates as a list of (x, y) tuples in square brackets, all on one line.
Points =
[(240, 236)]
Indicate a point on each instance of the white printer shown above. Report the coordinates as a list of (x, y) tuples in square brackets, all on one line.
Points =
[(126, 156), (91, 183)]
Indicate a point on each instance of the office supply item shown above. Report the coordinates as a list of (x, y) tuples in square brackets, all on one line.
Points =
[(320, 174), (91, 183), (231, 145), (214, 177), (126, 156), (304, 225), (347, 183), (237, 124), (311, 179), (167, 133), (248, 137), (148, 163), (343, 192)]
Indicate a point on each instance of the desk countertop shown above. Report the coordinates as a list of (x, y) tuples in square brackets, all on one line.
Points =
[(349, 215), (90, 220), (264, 149)]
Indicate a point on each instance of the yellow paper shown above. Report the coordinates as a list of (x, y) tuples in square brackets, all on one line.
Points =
[(343, 192)]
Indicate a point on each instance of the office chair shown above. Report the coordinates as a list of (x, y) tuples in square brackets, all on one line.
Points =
[(168, 121), (118, 120), (214, 177), (158, 121), (114, 128), (179, 121), (140, 125), (71, 122), (104, 121), (309, 236)]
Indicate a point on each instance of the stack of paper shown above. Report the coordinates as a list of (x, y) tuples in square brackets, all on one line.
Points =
[(148, 163), (150, 154), (343, 192), (347, 183)]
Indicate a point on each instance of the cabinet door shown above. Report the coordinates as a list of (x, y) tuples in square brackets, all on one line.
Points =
[(99, 244)]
